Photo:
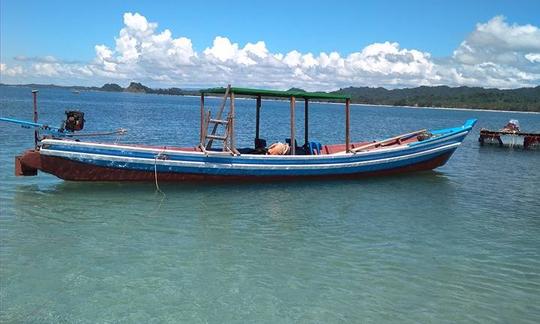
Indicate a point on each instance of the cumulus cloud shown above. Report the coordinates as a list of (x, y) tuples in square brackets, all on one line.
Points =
[(497, 41), (495, 54), (499, 54), (533, 57), (10, 71)]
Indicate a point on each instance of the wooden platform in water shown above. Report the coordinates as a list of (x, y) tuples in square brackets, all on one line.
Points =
[(504, 138)]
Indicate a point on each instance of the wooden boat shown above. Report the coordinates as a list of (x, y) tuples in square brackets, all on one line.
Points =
[(509, 136), (80, 160)]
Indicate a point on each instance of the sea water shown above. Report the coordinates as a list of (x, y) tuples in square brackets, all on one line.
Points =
[(460, 244)]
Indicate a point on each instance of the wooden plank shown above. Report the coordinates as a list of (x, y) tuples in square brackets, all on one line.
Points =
[(219, 121), (217, 137), (293, 140), (392, 139)]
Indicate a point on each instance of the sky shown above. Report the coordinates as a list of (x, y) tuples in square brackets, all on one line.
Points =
[(315, 45)]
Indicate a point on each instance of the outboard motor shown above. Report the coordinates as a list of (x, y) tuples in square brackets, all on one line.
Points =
[(74, 120)]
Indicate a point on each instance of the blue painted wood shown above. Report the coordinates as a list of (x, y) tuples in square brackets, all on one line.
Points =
[(145, 159), (149, 167), (28, 124)]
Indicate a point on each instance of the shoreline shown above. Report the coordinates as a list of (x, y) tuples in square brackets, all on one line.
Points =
[(450, 108), (390, 106), (270, 99)]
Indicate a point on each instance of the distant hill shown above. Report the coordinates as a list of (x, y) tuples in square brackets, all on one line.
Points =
[(111, 87), (134, 87), (296, 90), (522, 99), (138, 88)]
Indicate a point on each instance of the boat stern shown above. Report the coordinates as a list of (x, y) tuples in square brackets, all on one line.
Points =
[(28, 164)]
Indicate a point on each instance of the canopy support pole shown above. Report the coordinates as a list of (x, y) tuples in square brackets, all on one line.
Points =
[(202, 119), (257, 123), (233, 147), (306, 121), (347, 125), (293, 141), (36, 134)]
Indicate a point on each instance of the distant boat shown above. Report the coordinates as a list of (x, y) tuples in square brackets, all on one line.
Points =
[(75, 92), (510, 136), (80, 160)]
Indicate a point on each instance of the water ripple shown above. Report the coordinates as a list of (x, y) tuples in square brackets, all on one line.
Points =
[(460, 244)]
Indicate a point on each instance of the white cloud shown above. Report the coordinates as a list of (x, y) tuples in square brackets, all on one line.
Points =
[(10, 71), (533, 57), (498, 54), (389, 59), (46, 69), (497, 41), (223, 51), (495, 54)]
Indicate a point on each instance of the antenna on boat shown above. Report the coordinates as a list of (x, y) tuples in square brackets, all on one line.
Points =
[(34, 93)]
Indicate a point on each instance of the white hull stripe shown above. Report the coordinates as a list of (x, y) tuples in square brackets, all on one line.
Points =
[(89, 157)]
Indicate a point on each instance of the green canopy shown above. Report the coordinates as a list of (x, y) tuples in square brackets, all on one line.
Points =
[(277, 93)]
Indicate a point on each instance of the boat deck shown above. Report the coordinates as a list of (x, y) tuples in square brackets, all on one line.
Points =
[(326, 149)]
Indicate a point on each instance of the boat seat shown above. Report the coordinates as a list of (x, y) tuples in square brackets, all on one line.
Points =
[(260, 143), (314, 148), (260, 146)]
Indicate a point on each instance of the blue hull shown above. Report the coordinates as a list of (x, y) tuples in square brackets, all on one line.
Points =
[(74, 160)]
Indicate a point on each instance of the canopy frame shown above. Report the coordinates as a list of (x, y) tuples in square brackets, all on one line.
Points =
[(258, 94)]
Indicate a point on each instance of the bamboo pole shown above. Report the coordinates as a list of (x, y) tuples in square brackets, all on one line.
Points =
[(36, 132), (293, 141), (258, 118), (306, 121), (233, 144), (202, 120), (347, 125)]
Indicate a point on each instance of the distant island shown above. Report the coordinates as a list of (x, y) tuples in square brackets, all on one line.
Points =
[(521, 99)]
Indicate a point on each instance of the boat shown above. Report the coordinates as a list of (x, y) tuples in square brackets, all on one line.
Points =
[(510, 136), (217, 158)]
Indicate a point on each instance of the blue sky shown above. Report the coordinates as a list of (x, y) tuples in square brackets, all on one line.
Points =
[(68, 31)]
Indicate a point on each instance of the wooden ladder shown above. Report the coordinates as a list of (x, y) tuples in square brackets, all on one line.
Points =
[(209, 137)]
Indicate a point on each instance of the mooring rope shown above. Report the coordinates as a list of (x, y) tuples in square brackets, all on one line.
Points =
[(158, 189), (159, 155)]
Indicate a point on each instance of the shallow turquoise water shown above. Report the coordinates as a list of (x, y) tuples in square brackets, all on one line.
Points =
[(460, 244)]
